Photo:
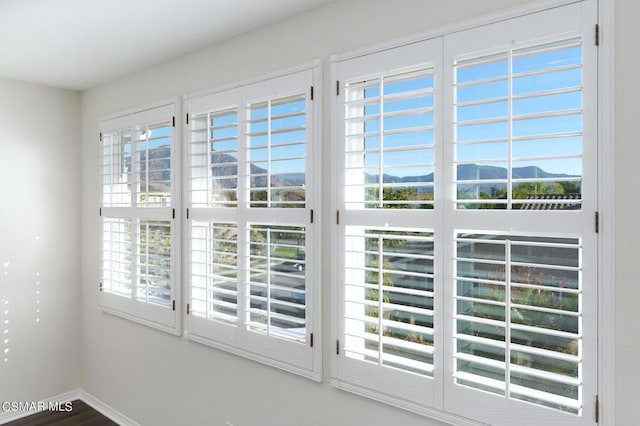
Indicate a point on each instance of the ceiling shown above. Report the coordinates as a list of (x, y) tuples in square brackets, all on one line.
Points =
[(79, 44)]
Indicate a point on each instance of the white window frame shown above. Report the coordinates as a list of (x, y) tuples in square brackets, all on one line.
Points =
[(603, 204), (164, 318), (302, 359)]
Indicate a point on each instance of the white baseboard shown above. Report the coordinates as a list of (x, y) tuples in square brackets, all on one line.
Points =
[(106, 410), (80, 394)]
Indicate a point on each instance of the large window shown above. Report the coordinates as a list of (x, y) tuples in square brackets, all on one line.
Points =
[(139, 231), (252, 244), (465, 246)]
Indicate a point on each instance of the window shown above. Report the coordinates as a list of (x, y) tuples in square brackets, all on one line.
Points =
[(387, 219), (139, 230), (466, 257), (252, 241)]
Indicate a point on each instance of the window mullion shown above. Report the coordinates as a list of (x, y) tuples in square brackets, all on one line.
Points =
[(380, 299), (268, 268), (243, 196), (269, 168), (381, 144), (509, 129), (209, 151), (507, 317)]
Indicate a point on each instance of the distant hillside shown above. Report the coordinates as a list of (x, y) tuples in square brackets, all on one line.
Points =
[(475, 172), (224, 165)]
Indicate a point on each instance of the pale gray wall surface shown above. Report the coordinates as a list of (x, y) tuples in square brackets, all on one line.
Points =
[(39, 241), (158, 379), (627, 218)]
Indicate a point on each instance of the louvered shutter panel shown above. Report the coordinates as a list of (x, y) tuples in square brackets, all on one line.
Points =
[(139, 253), (387, 245), (522, 277), (251, 248)]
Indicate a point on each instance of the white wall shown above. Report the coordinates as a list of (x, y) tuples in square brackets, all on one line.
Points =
[(39, 241), (627, 151), (158, 379)]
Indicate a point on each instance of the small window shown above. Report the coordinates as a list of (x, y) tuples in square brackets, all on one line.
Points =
[(253, 243), (139, 233)]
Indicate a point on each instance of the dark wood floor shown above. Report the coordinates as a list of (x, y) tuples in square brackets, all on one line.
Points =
[(80, 415)]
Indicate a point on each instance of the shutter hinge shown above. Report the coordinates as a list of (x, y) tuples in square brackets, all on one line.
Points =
[(187, 118), (188, 309), (337, 87), (187, 213), (100, 211), (337, 347), (311, 339), (100, 136), (173, 213), (173, 305), (173, 121), (311, 216), (311, 92), (597, 409), (100, 286), (337, 217), (597, 222), (597, 35)]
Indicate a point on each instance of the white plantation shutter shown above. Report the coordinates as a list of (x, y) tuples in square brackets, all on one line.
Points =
[(465, 248), (386, 243), (139, 231), (252, 243), (523, 140)]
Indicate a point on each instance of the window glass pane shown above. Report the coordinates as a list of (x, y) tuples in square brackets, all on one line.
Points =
[(389, 142), (154, 262), (117, 256), (277, 152), (389, 298), (214, 159), (532, 118), (153, 165), (214, 270), (521, 295), (277, 282), (116, 169)]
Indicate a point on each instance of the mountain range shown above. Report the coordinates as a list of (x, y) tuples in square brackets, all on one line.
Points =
[(225, 165)]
